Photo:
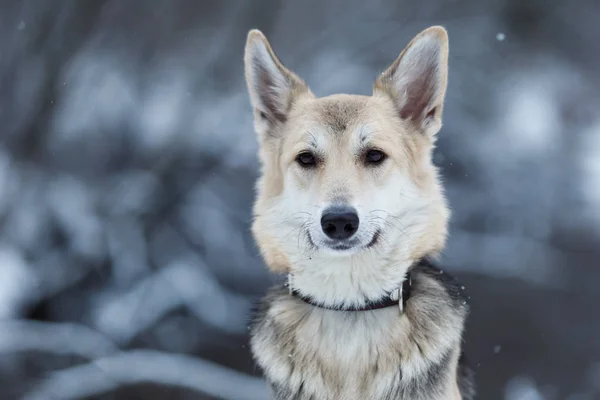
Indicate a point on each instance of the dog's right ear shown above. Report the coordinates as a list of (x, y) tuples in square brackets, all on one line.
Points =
[(273, 88)]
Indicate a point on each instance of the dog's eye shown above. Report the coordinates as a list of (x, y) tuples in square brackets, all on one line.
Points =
[(374, 157), (306, 159)]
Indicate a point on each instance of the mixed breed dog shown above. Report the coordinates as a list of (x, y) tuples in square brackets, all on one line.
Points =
[(349, 205)]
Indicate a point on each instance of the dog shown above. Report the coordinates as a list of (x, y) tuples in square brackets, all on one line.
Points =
[(350, 206)]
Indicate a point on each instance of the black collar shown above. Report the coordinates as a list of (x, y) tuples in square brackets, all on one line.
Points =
[(398, 298)]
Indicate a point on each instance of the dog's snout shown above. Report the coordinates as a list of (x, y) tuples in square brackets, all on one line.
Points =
[(340, 223)]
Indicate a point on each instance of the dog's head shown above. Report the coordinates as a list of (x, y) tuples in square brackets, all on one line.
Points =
[(348, 197)]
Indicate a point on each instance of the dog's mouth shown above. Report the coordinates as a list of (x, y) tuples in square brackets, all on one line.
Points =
[(345, 245)]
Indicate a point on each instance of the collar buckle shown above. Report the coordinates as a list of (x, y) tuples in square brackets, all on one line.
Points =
[(288, 283)]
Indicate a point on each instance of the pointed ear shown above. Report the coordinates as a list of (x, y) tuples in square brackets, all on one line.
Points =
[(273, 88), (417, 80)]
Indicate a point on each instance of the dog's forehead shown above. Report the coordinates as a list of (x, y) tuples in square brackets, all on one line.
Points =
[(341, 120), (336, 116), (340, 112)]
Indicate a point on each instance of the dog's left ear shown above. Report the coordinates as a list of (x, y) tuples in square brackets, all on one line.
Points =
[(273, 88), (417, 80)]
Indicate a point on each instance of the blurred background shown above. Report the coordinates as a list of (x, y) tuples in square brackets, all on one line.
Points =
[(127, 165)]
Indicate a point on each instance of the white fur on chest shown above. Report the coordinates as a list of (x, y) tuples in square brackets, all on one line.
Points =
[(339, 355)]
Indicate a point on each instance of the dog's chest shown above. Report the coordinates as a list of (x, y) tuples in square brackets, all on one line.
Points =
[(332, 355)]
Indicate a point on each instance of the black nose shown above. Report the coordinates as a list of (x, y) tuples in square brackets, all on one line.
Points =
[(339, 223)]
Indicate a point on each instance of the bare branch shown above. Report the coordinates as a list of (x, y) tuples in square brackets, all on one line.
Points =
[(109, 373), (182, 284), (56, 338)]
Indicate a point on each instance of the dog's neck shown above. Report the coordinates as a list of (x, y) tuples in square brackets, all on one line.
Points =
[(397, 298), (351, 283)]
